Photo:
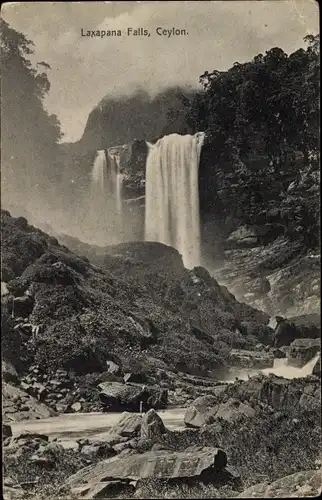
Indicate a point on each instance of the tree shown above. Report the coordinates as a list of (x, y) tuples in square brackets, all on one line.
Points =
[(29, 134)]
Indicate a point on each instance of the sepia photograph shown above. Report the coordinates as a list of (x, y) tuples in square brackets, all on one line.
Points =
[(160, 249)]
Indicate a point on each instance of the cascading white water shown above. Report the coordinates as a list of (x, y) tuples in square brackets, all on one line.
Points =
[(172, 194), (99, 171), (116, 179), (282, 369), (106, 198)]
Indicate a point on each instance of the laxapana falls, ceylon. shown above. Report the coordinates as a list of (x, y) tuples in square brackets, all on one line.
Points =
[(172, 195)]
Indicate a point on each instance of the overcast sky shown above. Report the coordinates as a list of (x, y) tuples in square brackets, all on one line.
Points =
[(86, 69)]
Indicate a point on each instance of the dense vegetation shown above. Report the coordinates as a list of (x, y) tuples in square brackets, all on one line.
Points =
[(30, 135), (266, 106)]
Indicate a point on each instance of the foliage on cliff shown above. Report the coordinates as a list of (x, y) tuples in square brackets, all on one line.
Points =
[(262, 150), (29, 134), (268, 106)]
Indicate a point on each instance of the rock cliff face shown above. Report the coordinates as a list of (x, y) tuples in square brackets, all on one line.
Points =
[(259, 237)]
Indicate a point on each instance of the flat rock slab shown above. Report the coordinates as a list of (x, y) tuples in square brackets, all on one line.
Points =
[(153, 464)]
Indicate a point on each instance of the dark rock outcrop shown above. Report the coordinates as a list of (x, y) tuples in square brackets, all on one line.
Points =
[(299, 327), (115, 396), (317, 367)]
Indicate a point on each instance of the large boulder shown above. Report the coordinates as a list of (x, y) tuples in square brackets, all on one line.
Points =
[(116, 396), (129, 425), (201, 412), (302, 350), (297, 327), (152, 426), (207, 409), (285, 332)]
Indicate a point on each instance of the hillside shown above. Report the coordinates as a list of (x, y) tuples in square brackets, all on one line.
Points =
[(142, 308)]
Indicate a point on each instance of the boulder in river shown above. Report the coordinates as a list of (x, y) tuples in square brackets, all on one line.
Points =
[(129, 425), (152, 426), (302, 350)]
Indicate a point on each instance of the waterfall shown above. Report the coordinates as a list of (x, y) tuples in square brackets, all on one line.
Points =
[(106, 199), (172, 194), (283, 369), (99, 172), (116, 180)]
